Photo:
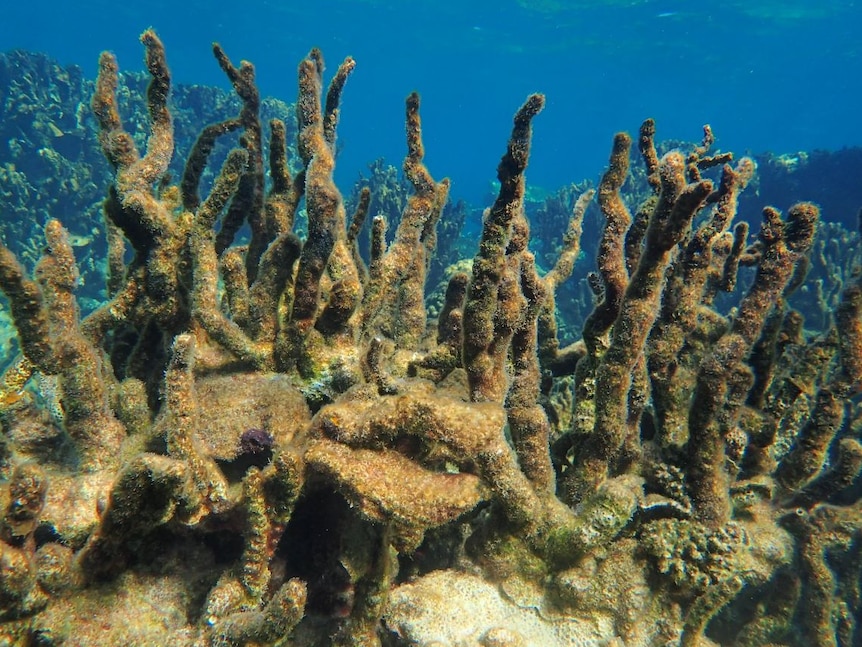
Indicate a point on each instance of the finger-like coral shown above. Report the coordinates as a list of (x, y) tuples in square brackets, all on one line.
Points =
[(264, 440)]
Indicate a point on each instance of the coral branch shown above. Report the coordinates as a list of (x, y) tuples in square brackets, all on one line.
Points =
[(677, 206), (484, 350)]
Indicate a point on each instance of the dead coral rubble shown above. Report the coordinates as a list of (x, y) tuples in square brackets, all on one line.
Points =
[(267, 443)]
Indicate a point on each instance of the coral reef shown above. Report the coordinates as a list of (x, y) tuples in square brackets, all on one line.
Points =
[(262, 437), (51, 164)]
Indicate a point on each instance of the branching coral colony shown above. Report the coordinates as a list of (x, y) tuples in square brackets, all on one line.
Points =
[(267, 444)]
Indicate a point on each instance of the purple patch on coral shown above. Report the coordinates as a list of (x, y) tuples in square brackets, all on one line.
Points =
[(255, 441)]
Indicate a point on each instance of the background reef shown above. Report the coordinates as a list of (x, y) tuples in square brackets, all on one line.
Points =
[(52, 166), (242, 409)]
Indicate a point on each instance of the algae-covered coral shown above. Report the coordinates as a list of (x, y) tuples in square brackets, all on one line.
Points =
[(263, 440)]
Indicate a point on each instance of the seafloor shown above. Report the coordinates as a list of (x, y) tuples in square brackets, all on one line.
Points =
[(241, 407)]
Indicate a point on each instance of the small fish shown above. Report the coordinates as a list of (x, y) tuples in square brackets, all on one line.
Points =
[(76, 240), (667, 14)]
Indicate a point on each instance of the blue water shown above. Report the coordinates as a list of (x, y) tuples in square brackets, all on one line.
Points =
[(780, 76)]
